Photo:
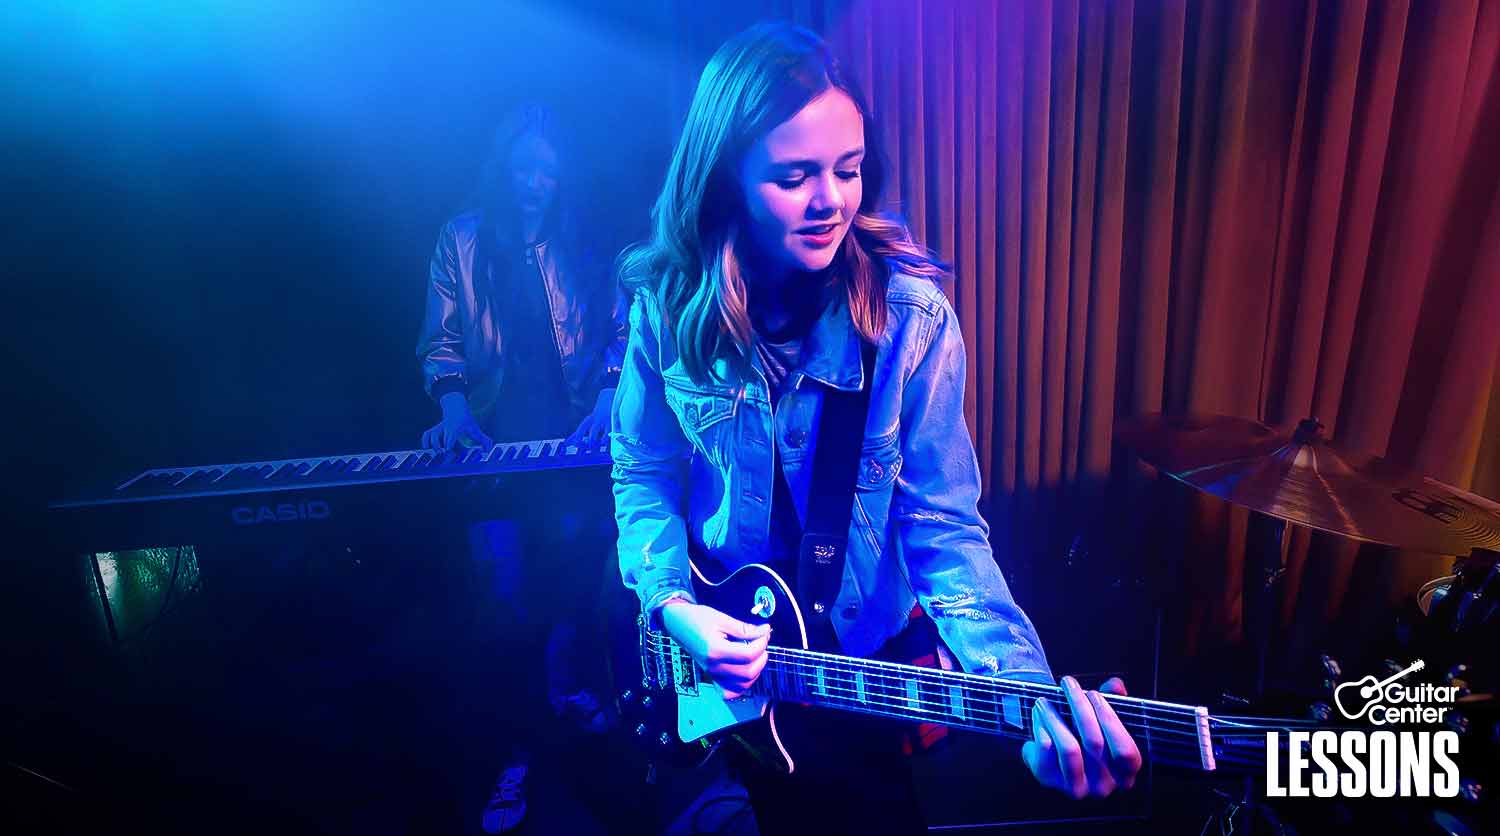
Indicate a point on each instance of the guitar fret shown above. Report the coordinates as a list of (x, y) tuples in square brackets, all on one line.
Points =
[(1011, 706), (935, 697), (858, 684)]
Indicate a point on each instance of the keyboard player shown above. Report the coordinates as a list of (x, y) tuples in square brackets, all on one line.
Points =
[(523, 338)]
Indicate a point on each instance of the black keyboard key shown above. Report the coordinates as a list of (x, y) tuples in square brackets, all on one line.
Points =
[(197, 480), (322, 469)]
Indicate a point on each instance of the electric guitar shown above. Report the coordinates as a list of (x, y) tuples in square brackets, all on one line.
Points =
[(682, 714)]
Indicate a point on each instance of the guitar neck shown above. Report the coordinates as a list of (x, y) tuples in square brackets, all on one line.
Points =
[(1174, 734), (1168, 733)]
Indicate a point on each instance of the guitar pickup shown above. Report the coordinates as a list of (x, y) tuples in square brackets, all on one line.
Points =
[(684, 672)]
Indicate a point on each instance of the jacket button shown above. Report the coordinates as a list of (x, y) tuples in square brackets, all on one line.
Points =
[(850, 612), (796, 437)]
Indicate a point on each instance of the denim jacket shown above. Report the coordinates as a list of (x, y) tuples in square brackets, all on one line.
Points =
[(696, 461)]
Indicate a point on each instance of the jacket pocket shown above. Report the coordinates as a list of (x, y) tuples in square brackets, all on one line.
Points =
[(703, 414), (879, 464)]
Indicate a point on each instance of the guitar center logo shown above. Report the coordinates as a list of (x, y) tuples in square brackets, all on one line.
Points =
[(1385, 763), (1383, 702), (315, 509)]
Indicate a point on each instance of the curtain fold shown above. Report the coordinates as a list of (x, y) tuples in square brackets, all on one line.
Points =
[(1261, 209), (1271, 210)]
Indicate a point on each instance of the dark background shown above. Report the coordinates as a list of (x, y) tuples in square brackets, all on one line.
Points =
[(221, 220), (217, 225)]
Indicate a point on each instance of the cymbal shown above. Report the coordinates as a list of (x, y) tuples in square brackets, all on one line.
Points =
[(1295, 474)]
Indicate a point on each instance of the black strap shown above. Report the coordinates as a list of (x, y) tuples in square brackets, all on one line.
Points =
[(830, 503)]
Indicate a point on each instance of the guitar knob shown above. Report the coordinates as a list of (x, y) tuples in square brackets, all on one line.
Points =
[(665, 739), (645, 702), (1320, 712), (1457, 722), (627, 695), (640, 731)]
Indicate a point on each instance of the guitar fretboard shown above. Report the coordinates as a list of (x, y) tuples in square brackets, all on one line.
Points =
[(1172, 733)]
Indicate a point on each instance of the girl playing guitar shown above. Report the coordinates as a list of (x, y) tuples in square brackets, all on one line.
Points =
[(768, 268)]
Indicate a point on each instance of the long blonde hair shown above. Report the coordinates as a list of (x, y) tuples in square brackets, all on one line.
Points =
[(692, 262)]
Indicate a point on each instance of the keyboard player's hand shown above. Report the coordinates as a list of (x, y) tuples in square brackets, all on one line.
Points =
[(457, 429), (595, 427)]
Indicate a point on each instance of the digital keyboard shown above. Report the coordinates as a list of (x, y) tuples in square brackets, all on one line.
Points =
[(407, 495)]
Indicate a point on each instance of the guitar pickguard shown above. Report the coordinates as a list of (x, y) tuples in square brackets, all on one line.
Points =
[(703, 710)]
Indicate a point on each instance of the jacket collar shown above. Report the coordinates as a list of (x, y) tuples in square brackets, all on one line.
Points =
[(831, 355)]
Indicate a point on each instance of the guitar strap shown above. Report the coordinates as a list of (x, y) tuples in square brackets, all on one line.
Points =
[(830, 502)]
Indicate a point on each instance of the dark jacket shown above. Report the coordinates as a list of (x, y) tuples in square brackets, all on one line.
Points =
[(462, 343)]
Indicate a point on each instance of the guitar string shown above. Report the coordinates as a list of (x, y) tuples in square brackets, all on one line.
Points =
[(1185, 748), (983, 704), (982, 691), (938, 676), (962, 675), (983, 709), (981, 701), (1009, 729), (948, 678), (943, 708), (992, 687), (989, 684)]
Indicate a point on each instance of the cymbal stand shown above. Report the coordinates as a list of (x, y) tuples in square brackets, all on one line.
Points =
[(1264, 567)]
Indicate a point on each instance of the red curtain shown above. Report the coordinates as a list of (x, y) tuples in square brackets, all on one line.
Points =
[(1272, 210), (1265, 209)]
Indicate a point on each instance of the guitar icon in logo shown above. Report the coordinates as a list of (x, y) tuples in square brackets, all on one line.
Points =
[(1367, 689)]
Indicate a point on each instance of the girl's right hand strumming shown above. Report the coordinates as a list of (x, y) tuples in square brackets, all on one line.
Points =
[(732, 652)]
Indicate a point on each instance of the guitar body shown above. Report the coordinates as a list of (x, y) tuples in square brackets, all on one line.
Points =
[(681, 713), (684, 714)]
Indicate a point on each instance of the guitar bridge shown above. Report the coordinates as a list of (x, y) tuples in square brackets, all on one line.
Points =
[(653, 661)]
